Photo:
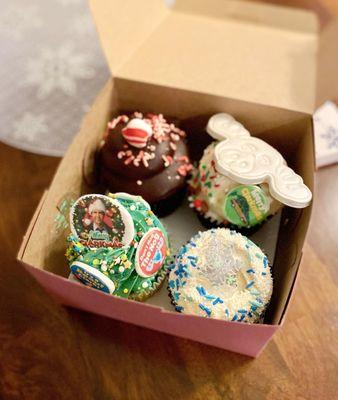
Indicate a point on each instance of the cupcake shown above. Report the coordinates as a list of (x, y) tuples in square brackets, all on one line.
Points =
[(241, 180), (117, 245), (145, 155), (221, 274)]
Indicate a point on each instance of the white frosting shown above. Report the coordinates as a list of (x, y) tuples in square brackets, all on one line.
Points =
[(213, 195), (224, 126), (249, 160), (221, 274)]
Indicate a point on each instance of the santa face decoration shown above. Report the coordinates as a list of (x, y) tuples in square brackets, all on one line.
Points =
[(137, 132), (99, 221)]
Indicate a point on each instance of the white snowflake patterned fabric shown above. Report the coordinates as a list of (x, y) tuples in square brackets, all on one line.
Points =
[(52, 67), (326, 134)]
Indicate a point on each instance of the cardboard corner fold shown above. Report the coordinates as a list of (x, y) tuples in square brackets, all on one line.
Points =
[(327, 74), (123, 25)]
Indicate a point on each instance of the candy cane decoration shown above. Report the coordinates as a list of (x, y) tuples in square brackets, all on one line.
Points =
[(137, 132)]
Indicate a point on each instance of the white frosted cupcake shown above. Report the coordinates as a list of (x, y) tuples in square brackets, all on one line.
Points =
[(241, 180), (221, 274)]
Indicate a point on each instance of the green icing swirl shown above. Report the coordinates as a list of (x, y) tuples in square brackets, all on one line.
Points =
[(118, 264)]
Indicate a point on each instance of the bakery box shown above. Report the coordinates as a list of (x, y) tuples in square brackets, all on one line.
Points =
[(254, 61)]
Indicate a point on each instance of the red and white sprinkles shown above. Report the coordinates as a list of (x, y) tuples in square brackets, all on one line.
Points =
[(139, 130)]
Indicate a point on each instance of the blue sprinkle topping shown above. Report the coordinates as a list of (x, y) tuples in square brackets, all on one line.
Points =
[(181, 271), (265, 262), (263, 273), (184, 250), (227, 312), (250, 271), (234, 318), (206, 309), (249, 285), (171, 284), (194, 258), (210, 297), (242, 317), (171, 266), (254, 305), (179, 308), (177, 295), (241, 311), (201, 290), (217, 301), (192, 244), (177, 284), (193, 264)]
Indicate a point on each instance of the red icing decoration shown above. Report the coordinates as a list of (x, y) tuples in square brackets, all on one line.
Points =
[(151, 253)]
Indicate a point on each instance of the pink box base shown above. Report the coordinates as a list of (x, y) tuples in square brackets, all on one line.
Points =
[(247, 339)]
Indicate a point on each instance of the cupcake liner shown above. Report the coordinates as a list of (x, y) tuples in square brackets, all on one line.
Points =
[(157, 284), (209, 224), (172, 301), (167, 206)]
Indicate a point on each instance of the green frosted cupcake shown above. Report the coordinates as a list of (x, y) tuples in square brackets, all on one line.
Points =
[(117, 245)]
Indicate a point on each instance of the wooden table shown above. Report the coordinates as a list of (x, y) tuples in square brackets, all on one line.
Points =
[(50, 352)]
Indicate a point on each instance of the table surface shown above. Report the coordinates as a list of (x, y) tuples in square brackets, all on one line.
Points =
[(51, 352)]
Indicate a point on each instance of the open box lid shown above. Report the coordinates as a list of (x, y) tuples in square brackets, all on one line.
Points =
[(249, 51)]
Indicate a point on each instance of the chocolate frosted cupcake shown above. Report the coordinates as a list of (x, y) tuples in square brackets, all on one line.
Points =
[(241, 180), (117, 245), (145, 155)]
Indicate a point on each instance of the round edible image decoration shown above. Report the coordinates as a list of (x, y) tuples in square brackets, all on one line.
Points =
[(246, 205), (151, 253), (99, 221), (92, 277)]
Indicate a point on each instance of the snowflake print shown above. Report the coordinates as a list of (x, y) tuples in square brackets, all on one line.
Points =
[(29, 127), (331, 137), (220, 262), (57, 69), (15, 21)]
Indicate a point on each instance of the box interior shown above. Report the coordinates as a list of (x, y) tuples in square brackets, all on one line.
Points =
[(290, 132)]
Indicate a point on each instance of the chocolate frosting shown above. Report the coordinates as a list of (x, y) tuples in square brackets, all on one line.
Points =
[(125, 168)]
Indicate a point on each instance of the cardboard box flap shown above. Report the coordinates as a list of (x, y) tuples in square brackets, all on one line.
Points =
[(252, 52), (327, 76), (291, 19), (123, 25)]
